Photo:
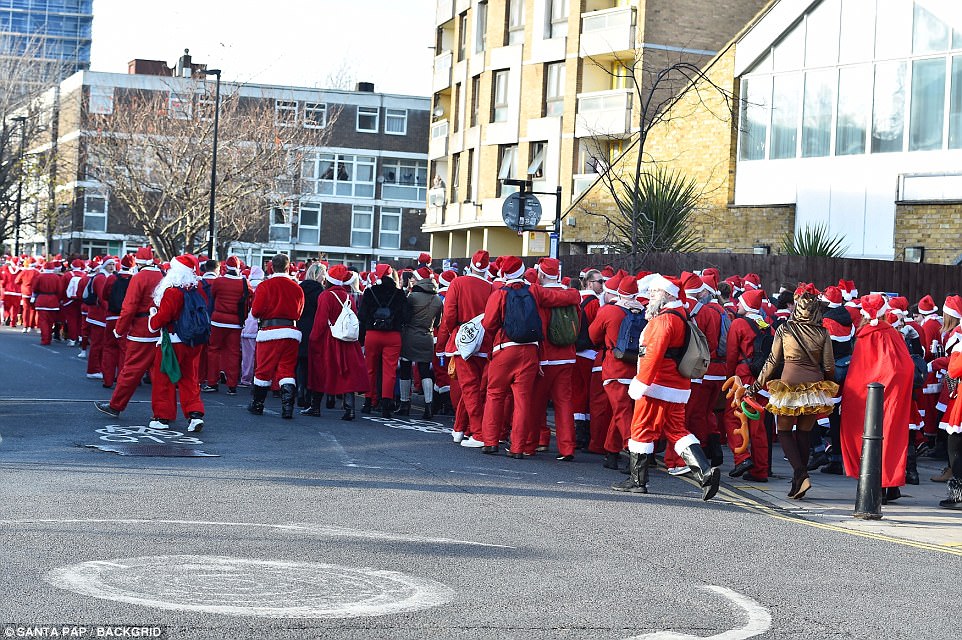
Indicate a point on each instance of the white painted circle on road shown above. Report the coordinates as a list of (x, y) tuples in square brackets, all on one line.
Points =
[(242, 587)]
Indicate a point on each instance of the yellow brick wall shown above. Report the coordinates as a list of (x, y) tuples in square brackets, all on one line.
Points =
[(935, 226)]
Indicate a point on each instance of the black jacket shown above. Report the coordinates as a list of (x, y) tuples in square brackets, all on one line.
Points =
[(312, 289), (385, 294)]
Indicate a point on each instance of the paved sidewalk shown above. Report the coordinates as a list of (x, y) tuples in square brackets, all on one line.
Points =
[(915, 517)]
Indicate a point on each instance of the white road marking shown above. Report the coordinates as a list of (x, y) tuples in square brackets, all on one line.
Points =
[(307, 528), (243, 587), (759, 621)]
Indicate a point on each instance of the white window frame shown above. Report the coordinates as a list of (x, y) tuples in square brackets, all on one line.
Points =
[(315, 108), (179, 106), (507, 166), (556, 18), (314, 181), (481, 26), (536, 163), (554, 89), (205, 109), (362, 209), (285, 106), (405, 189), (314, 206), (101, 100), (287, 210), (515, 20), (396, 114), (389, 212), (499, 103), (368, 111), (101, 195)]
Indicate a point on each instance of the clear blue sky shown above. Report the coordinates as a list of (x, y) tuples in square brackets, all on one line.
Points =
[(289, 42)]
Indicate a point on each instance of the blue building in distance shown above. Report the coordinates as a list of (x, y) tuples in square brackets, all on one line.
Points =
[(56, 32)]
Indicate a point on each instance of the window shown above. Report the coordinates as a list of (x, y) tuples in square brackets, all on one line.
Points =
[(753, 121), (854, 105), (515, 21), (821, 34), (396, 121), (367, 119), (285, 113), (557, 22), (462, 35), (315, 115), (554, 89), (309, 223), (955, 105), (499, 97), (475, 99), (179, 106), (930, 34), (362, 226), (205, 109), (859, 40), (455, 176), (928, 104), (389, 236), (536, 154), (280, 228), (404, 180), (328, 174), (785, 111), (469, 182), (481, 26), (456, 111), (507, 165), (817, 113), (95, 211), (101, 100), (888, 113)]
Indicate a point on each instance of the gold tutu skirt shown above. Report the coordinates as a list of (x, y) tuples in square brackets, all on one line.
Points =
[(806, 399)]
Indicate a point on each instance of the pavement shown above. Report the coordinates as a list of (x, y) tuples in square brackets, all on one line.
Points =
[(318, 528)]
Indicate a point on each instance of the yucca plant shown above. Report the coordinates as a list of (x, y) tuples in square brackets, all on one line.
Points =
[(814, 240)]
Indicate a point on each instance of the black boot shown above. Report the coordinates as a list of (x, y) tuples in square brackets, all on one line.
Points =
[(405, 408), (304, 397), (702, 470), (611, 461), (366, 407), (314, 405), (258, 395), (637, 480), (428, 411), (954, 501), (348, 407), (387, 407), (582, 434), (288, 397), (911, 464), (331, 401), (715, 452)]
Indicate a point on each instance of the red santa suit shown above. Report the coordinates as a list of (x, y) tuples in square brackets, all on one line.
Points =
[(278, 303), (952, 420), (881, 356), (25, 281), (931, 337), (231, 300), (141, 342), (584, 363), (48, 289), (338, 367), (699, 413), (11, 293), (74, 282), (97, 321)]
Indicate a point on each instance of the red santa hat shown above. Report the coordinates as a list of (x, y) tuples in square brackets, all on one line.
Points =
[(692, 284), (424, 273), (446, 278), (833, 296), (233, 263), (127, 262), (927, 306), (531, 275), (145, 255), (628, 287), (53, 265), (611, 284), (752, 281), (900, 305), (492, 272), (512, 268), (847, 287), (953, 307), (735, 282), (671, 286), (710, 272), (338, 274), (566, 281), (711, 282), (751, 300), (187, 260), (608, 271), (77, 264), (480, 261), (424, 258), (549, 267), (874, 307), (584, 272), (382, 271)]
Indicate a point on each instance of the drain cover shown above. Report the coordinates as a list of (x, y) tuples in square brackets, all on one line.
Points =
[(153, 450)]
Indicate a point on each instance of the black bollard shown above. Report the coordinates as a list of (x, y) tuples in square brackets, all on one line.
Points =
[(868, 501)]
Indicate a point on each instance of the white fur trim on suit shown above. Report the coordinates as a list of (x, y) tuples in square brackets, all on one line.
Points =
[(686, 441), (668, 394), (588, 354), (261, 383), (635, 446), (96, 322), (284, 381), (624, 381), (224, 325), (281, 333), (141, 339), (551, 363), (637, 389)]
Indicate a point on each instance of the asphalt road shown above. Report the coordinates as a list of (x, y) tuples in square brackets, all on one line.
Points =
[(316, 528)]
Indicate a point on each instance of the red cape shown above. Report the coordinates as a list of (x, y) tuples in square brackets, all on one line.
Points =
[(880, 355)]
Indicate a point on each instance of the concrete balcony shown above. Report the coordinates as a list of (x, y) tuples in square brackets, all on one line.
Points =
[(443, 12), (442, 71), (604, 113), (608, 31), (438, 146)]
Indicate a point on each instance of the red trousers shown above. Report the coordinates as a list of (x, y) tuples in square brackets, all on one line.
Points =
[(46, 320), (94, 354), (112, 356), (138, 360), (758, 442), (72, 320), (555, 385), (11, 308), (275, 362), (224, 354), (512, 371), (621, 408), (163, 392), (580, 387), (29, 313), (600, 414), (382, 348), (470, 375), (699, 416), (652, 419)]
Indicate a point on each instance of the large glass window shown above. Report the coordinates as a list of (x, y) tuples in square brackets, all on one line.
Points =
[(315, 115), (280, 228), (499, 97), (331, 174), (95, 211), (557, 23), (367, 119), (389, 229), (888, 112), (930, 34), (475, 100), (481, 26), (507, 167), (821, 42), (955, 105), (785, 112), (554, 88), (817, 113), (362, 226), (928, 104), (404, 180), (285, 113), (756, 99), (854, 105), (893, 29), (396, 121), (309, 223), (515, 22), (790, 52)]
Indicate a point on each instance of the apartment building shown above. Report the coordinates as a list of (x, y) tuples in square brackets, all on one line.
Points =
[(54, 32), (543, 90)]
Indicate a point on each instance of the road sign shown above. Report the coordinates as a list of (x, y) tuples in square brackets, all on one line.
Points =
[(513, 216)]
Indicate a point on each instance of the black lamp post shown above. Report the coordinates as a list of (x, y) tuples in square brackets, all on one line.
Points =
[(16, 216), (211, 224)]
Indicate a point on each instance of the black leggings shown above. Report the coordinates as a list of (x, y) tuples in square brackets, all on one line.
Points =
[(404, 373), (955, 453)]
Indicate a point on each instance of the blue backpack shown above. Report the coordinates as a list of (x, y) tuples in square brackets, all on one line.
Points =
[(522, 322), (193, 325), (629, 335)]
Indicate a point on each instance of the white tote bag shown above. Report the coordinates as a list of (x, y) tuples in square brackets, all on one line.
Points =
[(346, 328), (469, 337)]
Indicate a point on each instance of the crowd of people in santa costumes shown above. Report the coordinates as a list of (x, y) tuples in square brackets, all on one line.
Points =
[(498, 344)]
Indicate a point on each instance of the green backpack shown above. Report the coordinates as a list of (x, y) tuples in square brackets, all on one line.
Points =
[(564, 325)]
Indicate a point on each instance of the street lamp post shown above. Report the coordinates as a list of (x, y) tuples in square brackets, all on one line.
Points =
[(211, 224), (16, 216)]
